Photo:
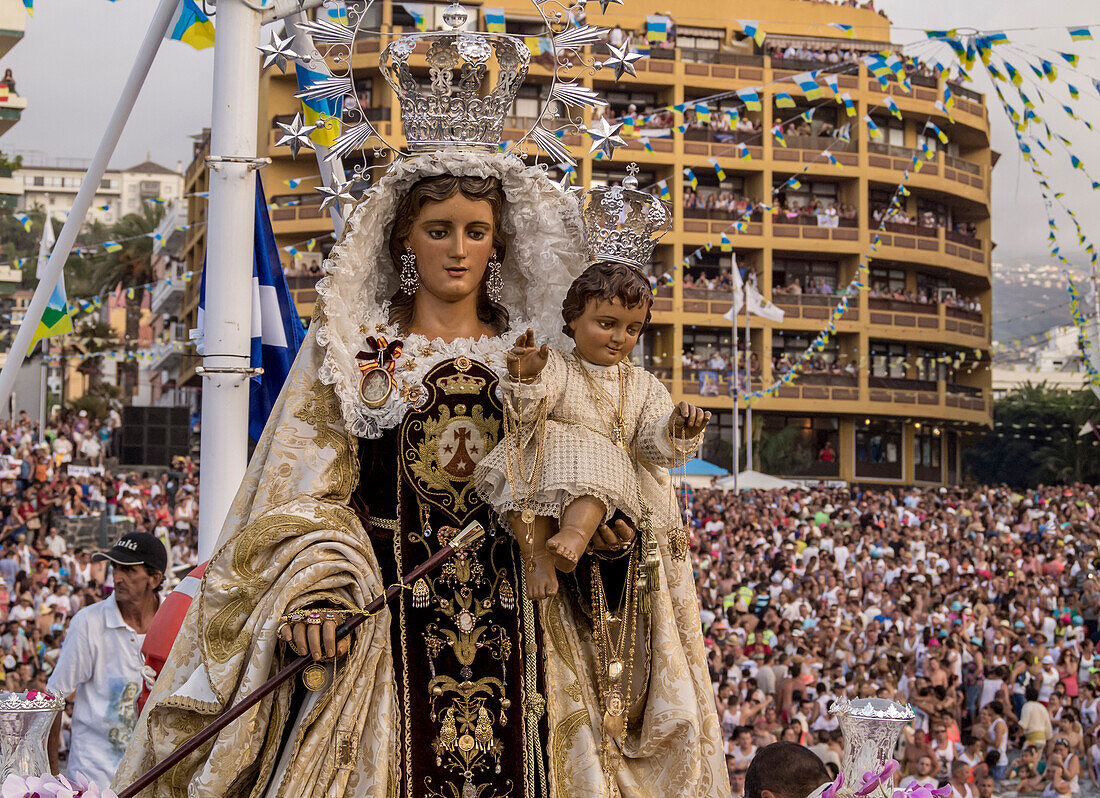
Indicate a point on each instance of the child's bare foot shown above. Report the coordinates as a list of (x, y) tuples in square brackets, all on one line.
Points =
[(567, 547), (542, 579)]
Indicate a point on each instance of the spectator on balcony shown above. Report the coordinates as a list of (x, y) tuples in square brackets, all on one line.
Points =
[(9, 79)]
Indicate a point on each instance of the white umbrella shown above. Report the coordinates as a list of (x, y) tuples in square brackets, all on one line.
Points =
[(754, 480)]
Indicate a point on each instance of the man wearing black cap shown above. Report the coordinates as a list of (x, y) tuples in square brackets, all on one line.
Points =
[(100, 666)]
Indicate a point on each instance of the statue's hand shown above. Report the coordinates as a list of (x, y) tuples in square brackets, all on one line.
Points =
[(317, 640), (525, 360), (613, 538)]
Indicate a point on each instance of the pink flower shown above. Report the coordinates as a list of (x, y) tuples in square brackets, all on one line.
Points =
[(918, 790), (872, 781), (830, 791)]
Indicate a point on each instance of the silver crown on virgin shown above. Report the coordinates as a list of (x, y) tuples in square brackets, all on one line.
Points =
[(623, 224), (458, 107)]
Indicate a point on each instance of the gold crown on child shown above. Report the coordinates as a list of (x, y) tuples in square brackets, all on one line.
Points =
[(623, 224)]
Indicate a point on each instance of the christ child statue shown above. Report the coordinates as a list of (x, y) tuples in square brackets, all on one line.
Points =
[(578, 425)]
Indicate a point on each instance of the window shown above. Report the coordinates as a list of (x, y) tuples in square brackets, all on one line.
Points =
[(927, 453), (107, 183), (808, 193), (787, 271), (887, 360), (150, 188), (888, 280), (929, 367), (528, 103), (792, 345), (879, 449), (801, 446), (39, 181)]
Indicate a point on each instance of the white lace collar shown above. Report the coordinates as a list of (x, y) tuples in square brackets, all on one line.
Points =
[(419, 355)]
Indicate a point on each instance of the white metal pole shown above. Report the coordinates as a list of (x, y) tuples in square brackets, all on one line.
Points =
[(158, 26), (229, 253), (1096, 322), (42, 385), (736, 372), (331, 171), (748, 386)]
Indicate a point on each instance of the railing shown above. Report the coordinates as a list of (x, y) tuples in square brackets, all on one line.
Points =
[(832, 380), (963, 238), (901, 306), (820, 300), (727, 136), (964, 390), (821, 142), (962, 165), (700, 56), (720, 214), (964, 314), (910, 228), (964, 92), (892, 150), (901, 384), (810, 220)]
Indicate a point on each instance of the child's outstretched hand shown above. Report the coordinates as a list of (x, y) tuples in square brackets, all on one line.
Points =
[(526, 360), (687, 420)]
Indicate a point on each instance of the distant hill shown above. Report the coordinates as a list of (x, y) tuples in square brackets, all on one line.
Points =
[(1030, 298)]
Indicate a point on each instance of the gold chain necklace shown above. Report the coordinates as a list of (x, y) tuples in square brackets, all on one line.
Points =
[(616, 429), (614, 671), (514, 460)]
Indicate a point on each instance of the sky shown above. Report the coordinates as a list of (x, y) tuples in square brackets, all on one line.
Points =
[(77, 53)]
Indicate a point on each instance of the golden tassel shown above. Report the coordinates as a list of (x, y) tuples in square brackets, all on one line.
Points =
[(645, 604)]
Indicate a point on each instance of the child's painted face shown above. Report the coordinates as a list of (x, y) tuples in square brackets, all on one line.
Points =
[(607, 331)]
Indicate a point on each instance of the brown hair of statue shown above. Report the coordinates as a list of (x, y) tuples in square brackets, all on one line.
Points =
[(440, 188), (607, 281)]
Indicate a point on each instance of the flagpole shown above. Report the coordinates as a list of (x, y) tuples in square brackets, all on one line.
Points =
[(332, 172), (736, 371), (748, 383), (20, 348), (227, 314)]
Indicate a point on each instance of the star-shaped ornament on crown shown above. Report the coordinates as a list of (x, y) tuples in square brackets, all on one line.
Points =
[(296, 134), (622, 60), (605, 137), (340, 192), (278, 52)]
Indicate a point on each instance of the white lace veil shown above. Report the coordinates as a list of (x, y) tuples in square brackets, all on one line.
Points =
[(545, 254)]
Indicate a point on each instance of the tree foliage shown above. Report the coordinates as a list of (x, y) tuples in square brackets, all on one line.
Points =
[(1035, 439)]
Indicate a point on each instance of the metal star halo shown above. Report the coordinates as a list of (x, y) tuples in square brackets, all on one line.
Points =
[(605, 137), (278, 52), (296, 135), (622, 60), (339, 192)]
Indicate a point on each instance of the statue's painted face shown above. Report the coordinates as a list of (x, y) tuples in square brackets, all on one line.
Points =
[(452, 241), (607, 331)]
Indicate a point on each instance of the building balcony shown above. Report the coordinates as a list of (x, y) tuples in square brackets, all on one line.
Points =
[(13, 24), (929, 323), (166, 358), (842, 394), (168, 293), (11, 110)]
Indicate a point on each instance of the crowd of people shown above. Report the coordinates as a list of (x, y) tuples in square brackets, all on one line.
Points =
[(50, 478), (979, 607)]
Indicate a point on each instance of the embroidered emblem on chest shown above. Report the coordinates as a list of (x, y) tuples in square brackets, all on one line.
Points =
[(444, 440)]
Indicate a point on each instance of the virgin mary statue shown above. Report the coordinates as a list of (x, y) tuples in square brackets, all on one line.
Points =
[(463, 687)]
